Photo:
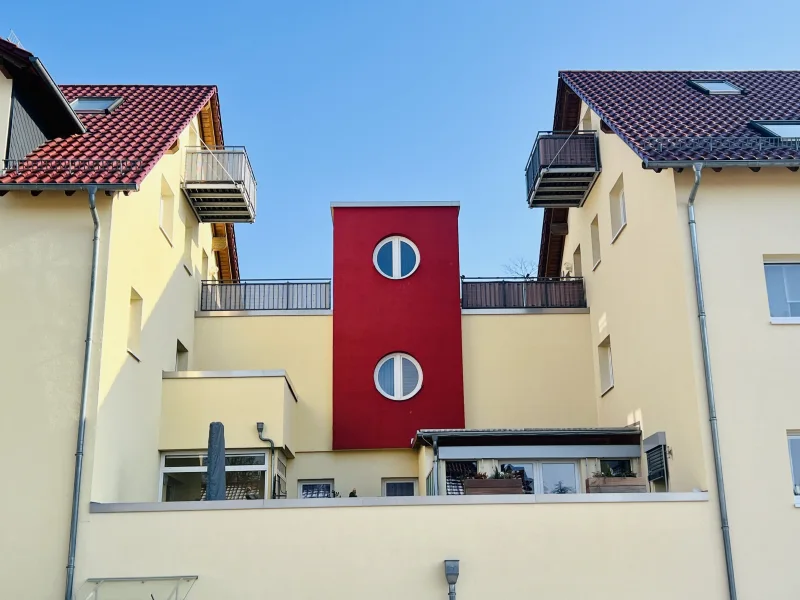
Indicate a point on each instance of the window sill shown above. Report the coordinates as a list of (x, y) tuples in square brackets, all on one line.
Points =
[(188, 269), (608, 389), (597, 264), (133, 354), (620, 230), (166, 236), (784, 320)]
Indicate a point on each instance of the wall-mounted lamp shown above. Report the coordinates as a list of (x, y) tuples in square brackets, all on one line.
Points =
[(451, 574)]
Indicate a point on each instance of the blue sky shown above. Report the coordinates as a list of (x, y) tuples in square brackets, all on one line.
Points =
[(372, 100)]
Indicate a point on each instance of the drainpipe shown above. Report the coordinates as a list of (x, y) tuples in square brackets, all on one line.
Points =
[(435, 465), (273, 473), (87, 362), (712, 406)]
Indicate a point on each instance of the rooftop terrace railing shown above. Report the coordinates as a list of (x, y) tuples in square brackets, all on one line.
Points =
[(266, 294), (522, 292)]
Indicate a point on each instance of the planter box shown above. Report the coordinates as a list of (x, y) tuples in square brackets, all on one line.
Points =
[(492, 486), (616, 485)]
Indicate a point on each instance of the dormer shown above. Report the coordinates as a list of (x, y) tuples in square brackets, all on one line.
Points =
[(32, 108)]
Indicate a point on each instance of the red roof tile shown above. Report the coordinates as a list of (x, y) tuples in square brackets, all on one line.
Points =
[(120, 147), (643, 107)]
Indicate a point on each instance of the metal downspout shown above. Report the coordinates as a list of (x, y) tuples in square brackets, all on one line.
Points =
[(435, 465), (712, 406), (273, 472), (87, 362)]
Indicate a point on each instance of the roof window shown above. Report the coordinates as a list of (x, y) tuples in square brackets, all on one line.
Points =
[(715, 86), (781, 129), (91, 104)]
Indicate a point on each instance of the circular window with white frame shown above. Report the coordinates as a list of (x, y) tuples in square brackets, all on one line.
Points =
[(396, 257), (398, 376)]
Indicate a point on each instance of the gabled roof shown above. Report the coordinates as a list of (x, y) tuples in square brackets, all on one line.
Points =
[(121, 147), (36, 89), (642, 105)]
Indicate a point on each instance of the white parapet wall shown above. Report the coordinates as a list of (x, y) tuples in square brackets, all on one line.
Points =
[(659, 546)]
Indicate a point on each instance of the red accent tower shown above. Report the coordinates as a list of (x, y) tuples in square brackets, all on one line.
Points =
[(375, 315)]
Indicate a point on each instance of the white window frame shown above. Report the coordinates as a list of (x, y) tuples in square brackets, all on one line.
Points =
[(398, 376), (201, 469), (622, 213), (766, 126), (302, 482), (795, 486), (605, 346), (780, 320), (700, 84), (395, 241), (594, 234), (537, 472), (411, 480)]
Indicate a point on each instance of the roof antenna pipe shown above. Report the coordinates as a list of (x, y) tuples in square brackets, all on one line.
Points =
[(87, 363), (712, 406)]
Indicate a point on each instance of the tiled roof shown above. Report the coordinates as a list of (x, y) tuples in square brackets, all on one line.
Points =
[(641, 105), (120, 147)]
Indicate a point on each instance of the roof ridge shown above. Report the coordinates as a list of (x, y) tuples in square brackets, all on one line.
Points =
[(140, 85)]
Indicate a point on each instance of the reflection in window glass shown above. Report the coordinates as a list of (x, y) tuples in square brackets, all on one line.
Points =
[(615, 467), (386, 377), (410, 376), (559, 478), (408, 259), (783, 289), (384, 259), (191, 487), (316, 490), (399, 488), (794, 455), (524, 472)]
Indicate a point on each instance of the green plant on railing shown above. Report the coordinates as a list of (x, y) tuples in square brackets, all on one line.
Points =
[(606, 471)]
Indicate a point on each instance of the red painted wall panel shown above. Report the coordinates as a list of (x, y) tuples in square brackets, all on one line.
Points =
[(374, 316)]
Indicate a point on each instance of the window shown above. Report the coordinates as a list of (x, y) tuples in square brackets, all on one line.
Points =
[(783, 291), (279, 489), (577, 264), (545, 477), (606, 366), (315, 489), (559, 477), (781, 129), (189, 231), (595, 227), (134, 324), (399, 487), (89, 104), (618, 216), (715, 87), (181, 357), (166, 210), (183, 476), (456, 471), (794, 461), (398, 376), (396, 257), (616, 467)]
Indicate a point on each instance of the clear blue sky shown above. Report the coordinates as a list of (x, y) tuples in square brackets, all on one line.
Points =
[(378, 100)]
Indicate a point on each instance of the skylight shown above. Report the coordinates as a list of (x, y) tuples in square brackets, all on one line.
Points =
[(781, 129), (715, 86), (88, 104)]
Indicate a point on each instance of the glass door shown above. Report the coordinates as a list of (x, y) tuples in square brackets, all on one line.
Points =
[(558, 477)]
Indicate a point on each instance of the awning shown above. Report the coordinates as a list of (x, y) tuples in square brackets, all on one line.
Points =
[(137, 588)]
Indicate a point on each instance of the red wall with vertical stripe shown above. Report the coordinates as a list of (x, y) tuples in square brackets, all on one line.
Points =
[(374, 316)]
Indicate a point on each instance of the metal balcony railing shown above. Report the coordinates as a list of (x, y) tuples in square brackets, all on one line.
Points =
[(220, 184), (266, 294), (521, 292), (562, 168)]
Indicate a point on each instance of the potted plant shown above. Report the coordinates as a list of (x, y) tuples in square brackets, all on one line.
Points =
[(607, 481), (500, 482)]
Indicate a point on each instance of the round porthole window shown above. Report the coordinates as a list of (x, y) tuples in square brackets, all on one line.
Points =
[(398, 376), (396, 257)]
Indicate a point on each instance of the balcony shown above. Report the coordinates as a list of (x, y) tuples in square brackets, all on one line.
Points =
[(520, 292), (266, 294), (562, 169), (239, 399), (220, 185)]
